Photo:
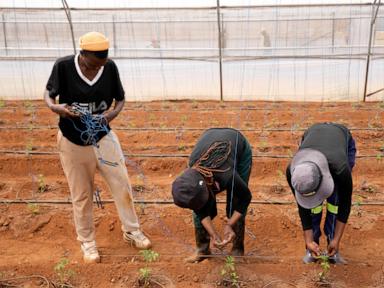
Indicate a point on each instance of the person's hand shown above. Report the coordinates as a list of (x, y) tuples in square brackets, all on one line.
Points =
[(333, 247), (229, 234), (63, 110), (217, 241), (314, 248), (109, 115)]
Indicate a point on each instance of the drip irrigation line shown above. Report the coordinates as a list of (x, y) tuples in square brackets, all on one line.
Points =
[(230, 107), (6, 281), (177, 129), (137, 201), (44, 153), (273, 258), (167, 202)]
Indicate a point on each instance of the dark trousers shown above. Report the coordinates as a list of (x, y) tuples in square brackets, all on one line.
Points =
[(330, 219)]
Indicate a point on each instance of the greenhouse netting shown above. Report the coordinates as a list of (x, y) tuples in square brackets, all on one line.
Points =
[(214, 50)]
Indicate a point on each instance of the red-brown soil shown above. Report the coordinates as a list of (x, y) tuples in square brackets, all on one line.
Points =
[(157, 138)]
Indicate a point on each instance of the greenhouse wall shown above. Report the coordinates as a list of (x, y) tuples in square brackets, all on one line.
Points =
[(272, 52)]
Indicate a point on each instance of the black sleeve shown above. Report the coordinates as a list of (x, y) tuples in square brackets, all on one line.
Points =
[(118, 92), (344, 185), (209, 209), (305, 214), (53, 84), (241, 195)]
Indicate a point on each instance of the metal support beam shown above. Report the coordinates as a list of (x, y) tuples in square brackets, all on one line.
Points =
[(375, 10), (67, 11), (220, 49)]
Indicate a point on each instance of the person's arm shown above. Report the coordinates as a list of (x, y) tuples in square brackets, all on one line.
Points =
[(333, 246), (229, 234), (310, 244), (241, 197), (60, 109), (110, 115), (208, 225), (344, 186)]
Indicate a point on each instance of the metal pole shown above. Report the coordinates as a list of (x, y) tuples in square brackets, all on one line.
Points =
[(333, 31), (114, 35), (220, 50), (5, 35), (374, 15), (67, 11)]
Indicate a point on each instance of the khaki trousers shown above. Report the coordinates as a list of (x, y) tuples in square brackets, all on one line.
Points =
[(80, 164)]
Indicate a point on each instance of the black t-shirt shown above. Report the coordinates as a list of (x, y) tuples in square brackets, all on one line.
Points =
[(241, 194), (71, 88), (333, 140)]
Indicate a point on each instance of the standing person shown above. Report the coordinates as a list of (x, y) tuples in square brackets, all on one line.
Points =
[(221, 160), (87, 84), (321, 170)]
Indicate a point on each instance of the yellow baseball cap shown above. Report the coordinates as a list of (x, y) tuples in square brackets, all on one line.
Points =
[(94, 41)]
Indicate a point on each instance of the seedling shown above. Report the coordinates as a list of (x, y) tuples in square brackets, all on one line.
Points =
[(145, 273), (357, 204), (184, 118), (2, 103), (324, 264), (263, 146), (29, 147), (42, 186), (181, 147), (214, 123), (195, 104), (63, 272), (228, 272), (33, 208), (152, 117)]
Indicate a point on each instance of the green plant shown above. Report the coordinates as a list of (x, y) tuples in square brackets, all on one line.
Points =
[(324, 264), (2, 103), (42, 186), (183, 118), (357, 205), (29, 147), (63, 272), (379, 156), (263, 146), (152, 117), (145, 273), (228, 272), (33, 208), (181, 147)]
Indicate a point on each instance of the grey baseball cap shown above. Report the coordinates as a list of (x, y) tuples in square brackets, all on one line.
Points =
[(311, 178)]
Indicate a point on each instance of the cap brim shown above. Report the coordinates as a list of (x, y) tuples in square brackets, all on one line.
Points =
[(326, 186)]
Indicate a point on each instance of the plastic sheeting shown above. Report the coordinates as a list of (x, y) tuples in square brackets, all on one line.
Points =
[(300, 53)]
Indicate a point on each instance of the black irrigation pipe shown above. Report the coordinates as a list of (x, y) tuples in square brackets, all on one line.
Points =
[(44, 153), (219, 107), (172, 129), (166, 202)]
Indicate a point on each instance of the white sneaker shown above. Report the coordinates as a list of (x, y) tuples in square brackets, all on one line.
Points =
[(91, 255), (138, 238)]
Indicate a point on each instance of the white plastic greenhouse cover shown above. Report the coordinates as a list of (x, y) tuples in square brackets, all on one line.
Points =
[(269, 50)]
